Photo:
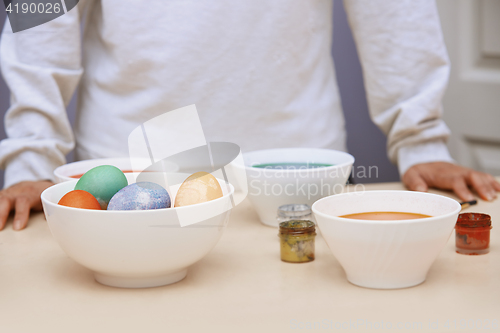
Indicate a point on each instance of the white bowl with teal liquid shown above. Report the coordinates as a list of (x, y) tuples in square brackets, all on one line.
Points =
[(293, 176)]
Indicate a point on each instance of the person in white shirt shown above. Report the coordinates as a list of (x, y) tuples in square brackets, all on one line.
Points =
[(260, 73)]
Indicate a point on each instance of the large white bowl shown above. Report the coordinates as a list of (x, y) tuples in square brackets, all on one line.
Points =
[(136, 249), (386, 254), (268, 189)]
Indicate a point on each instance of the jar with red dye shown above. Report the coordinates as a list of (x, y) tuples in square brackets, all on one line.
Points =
[(472, 233)]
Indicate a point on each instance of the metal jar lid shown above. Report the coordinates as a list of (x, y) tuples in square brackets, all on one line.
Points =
[(294, 210)]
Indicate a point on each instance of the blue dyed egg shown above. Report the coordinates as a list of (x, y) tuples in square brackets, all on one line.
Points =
[(140, 196)]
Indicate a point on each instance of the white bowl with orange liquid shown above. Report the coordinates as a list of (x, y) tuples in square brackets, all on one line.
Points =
[(386, 254), (75, 170)]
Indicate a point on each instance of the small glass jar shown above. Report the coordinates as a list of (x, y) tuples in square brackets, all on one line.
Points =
[(472, 233), (297, 241), (294, 212)]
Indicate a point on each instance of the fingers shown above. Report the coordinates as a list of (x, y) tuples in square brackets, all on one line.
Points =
[(23, 207), (22, 197), (414, 181), (483, 185), (5, 208), (495, 184), (459, 186)]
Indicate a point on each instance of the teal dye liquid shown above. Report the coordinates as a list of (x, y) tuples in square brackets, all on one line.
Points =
[(291, 166)]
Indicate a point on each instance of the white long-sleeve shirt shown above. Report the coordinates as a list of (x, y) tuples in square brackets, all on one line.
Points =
[(259, 71)]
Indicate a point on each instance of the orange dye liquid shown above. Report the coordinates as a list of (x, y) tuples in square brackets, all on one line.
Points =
[(385, 216), (80, 175)]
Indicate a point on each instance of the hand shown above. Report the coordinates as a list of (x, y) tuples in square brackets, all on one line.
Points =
[(21, 197), (448, 176)]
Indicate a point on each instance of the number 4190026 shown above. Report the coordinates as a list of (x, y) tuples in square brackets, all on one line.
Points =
[(40, 8)]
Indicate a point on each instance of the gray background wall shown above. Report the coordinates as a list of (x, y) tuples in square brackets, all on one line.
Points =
[(364, 140)]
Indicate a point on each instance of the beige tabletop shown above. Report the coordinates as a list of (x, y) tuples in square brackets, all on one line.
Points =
[(242, 286)]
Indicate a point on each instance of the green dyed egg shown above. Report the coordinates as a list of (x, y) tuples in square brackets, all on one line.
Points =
[(102, 182)]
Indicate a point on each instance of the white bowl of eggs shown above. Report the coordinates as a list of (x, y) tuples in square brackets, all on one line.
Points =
[(136, 243), (386, 239)]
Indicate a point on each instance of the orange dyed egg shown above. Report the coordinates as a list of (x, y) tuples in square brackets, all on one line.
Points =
[(79, 199)]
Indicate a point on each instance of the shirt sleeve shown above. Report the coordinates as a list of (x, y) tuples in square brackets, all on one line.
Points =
[(406, 69), (42, 67)]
